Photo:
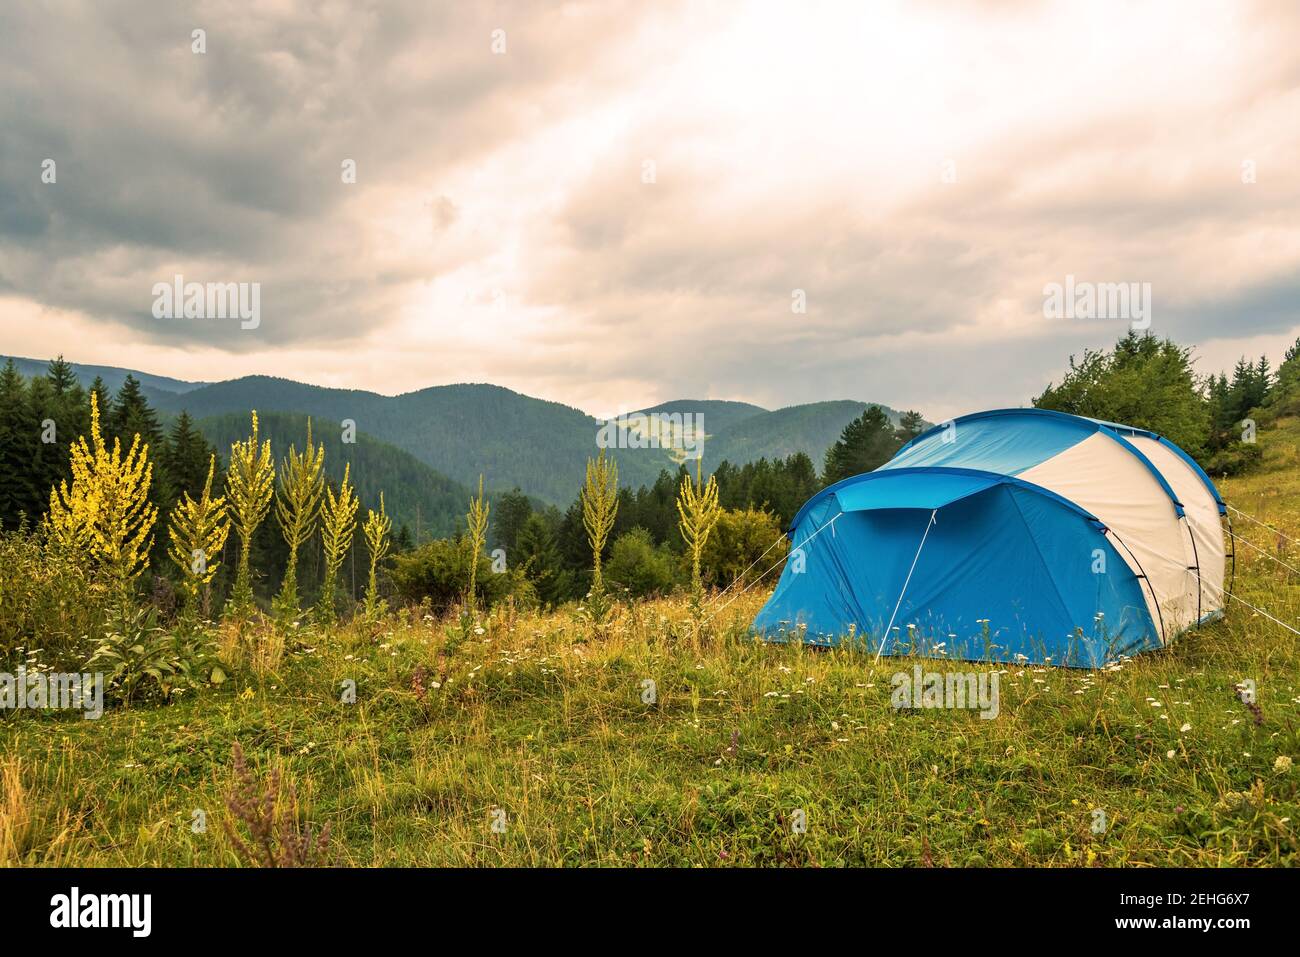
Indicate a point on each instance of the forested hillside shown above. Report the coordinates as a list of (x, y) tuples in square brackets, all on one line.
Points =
[(810, 428), (427, 503), (111, 376), (462, 431)]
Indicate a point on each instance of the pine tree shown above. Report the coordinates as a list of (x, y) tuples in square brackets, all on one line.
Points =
[(538, 556), (70, 417), (62, 377), (19, 496), (403, 541), (512, 511), (1284, 398), (910, 425), (1263, 382), (132, 415), (866, 443), (186, 457), (49, 462)]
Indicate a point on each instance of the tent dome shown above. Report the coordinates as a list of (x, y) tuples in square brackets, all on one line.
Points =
[(1012, 535)]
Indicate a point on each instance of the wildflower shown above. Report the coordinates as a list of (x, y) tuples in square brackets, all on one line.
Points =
[(1283, 764)]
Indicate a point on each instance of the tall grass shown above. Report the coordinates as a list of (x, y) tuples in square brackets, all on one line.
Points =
[(545, 727)]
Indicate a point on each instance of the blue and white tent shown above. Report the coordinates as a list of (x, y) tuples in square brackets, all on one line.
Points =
[(1013, 535)]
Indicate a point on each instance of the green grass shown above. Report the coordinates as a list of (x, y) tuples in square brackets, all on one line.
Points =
[(546, 723)]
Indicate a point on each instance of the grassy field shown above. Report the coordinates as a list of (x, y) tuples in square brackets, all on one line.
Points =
[(531, 745)]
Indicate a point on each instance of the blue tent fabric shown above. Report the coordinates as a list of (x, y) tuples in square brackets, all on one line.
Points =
[(1009, 572), (1036, 435), (902, 490), (987, 444)]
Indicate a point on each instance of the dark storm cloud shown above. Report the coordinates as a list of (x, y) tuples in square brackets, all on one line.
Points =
[(506, 199), (225, 166)]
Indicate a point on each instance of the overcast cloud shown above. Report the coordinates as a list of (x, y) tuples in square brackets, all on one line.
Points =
[(618, 209)]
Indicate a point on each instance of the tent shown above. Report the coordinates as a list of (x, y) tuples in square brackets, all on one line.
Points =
[(1016, 535)]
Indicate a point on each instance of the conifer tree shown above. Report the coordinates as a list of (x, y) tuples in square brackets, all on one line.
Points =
[(69, 417), (19, 496), (186, 457), (403, 541), (132, 415), (866, 443), (48, 463), (513, 510), (536, 553), (62, 378)]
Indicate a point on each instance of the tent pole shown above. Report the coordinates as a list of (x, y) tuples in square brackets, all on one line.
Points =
[(906, 582)]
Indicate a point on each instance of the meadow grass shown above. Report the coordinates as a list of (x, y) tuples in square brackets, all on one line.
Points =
[(541, 727)]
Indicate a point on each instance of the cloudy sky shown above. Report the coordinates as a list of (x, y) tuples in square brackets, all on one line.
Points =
[(613, 204)]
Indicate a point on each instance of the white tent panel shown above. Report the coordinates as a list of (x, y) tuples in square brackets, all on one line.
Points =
[(1203, 517), (1102, 476)]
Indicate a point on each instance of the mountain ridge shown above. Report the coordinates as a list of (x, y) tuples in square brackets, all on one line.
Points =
[(541, 446)]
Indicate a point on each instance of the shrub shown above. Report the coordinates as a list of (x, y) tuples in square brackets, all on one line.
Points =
[(738, 544), (538, 556), (1237, 458), (48, 601), (439, 571), (141, 661), (637, 565)]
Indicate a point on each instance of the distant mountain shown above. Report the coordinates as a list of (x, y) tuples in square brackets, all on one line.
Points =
[(811, 428), (113, 377), (414, 494), (718, 413), (462, 431)]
